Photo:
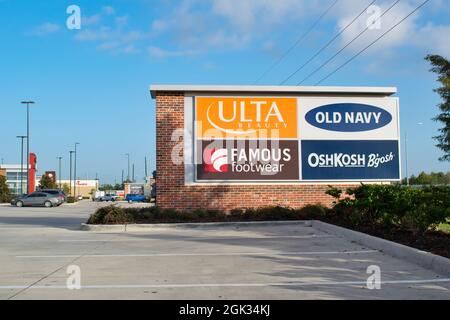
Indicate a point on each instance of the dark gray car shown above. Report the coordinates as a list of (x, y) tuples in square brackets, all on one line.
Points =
[(37, 199)]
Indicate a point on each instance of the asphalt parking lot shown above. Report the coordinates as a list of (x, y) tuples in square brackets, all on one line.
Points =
[(228, 262)]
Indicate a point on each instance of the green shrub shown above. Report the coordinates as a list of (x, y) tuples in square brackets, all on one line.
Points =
[(111, 215), (394, 205), (115, 215), (312, 211), (5, 193), (71, 199)]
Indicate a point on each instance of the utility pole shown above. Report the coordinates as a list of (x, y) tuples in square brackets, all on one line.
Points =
[(133, 173), (75, 172), (122, 177), (70, 179), (28, 141), (59, 171), (21, 164)]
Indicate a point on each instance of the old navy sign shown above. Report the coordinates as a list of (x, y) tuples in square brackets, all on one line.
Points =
[(350, 160), (348, 117)]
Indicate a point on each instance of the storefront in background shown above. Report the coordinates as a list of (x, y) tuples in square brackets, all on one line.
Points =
[(226, 147)]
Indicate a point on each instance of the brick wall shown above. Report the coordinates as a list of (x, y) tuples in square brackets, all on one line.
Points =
[(172, 193)]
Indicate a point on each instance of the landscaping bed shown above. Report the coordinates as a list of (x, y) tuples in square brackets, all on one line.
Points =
[(407, 216), (437, 242)]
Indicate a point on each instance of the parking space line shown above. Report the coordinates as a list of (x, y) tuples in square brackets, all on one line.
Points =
[(222, 238), (202, 254), (222, 285)]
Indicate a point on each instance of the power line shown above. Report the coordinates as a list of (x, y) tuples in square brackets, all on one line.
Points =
[(328, 44), (348, 44), (370, 45), (299, 40)]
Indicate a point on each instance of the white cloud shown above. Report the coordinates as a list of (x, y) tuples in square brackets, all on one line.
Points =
[(45, 29), (157, 52), (113, 37), (410, 33), (193, 27), (90, 20), (108, 10), (253, 15)]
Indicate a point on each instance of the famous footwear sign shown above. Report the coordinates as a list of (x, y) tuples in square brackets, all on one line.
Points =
[(244, 160), (295, 139)]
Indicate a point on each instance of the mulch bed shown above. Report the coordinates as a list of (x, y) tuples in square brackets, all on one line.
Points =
[(437, 242)]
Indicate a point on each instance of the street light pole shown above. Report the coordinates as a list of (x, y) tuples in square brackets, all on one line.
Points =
[(28, 141), (70, 179), (75, 171), (59, 171), (406, 159), (21, 163), (128, 175)]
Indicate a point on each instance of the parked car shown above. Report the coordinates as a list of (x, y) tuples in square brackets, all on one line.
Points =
[(56, 192), (38, 199), (97, 195), (108, 197), (135, 198)]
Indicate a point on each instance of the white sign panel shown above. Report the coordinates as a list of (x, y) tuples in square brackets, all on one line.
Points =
[(348, 118)]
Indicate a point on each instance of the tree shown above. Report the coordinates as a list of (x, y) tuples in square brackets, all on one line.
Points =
[(47, 183), (106, 187), (441, 66), (66, 189), (433, 178), (5, 194)]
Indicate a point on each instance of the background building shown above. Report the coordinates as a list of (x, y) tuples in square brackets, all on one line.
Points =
[(84, 188), (12, 173)]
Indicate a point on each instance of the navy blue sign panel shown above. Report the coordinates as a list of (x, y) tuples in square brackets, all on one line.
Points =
[(342, 160), (348, 117)]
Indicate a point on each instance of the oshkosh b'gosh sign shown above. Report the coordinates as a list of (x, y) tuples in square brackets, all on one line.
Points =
[(246, 117)]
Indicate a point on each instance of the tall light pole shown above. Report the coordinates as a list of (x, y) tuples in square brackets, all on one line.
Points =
[(21, 163), (70, 169), (128, 175), (28, 141), (59, 170), (75, 171), (145, 168)]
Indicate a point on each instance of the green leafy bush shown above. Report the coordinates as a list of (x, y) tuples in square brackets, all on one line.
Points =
[(5, 194), (394, 205), (111, 215), (71, 199), (115, 215)]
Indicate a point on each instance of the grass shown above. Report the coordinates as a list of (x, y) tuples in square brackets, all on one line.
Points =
[(445, 227)]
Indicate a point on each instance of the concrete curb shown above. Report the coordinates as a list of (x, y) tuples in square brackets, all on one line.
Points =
[(151, 227), (422, 258)]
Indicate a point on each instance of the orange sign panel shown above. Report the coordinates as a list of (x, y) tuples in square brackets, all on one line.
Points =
[(245, 118)]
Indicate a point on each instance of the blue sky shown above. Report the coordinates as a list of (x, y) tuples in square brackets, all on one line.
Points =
[(91, 85)]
